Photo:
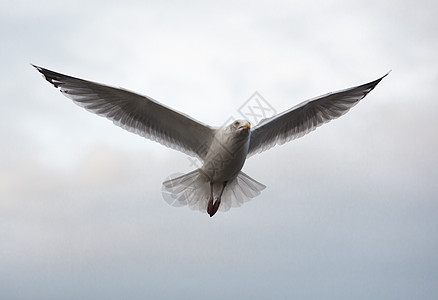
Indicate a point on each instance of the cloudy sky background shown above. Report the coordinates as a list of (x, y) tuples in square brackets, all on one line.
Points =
[(350, 212)]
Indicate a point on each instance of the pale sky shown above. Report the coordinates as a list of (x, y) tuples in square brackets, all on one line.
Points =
[(350, 210)]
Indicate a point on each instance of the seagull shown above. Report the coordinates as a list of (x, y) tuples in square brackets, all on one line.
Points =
[(219, 184)]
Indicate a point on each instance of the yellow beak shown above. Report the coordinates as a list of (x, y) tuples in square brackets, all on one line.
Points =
[(246, 126)]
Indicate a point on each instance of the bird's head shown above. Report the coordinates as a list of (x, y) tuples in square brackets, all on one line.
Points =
[(240, 125), (237, 132)]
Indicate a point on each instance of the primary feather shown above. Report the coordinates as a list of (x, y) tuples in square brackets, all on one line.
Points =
[(136, 113), (306, 117)]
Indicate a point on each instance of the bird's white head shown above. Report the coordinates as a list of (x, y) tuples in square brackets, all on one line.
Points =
[(240, 125)]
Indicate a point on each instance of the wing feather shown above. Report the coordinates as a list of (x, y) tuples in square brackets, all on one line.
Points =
[(306, 117), (136, 113)]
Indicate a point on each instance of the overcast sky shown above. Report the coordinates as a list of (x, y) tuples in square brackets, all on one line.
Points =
[(350, 210)]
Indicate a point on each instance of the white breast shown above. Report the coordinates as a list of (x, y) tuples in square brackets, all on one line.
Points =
[(226, 155)]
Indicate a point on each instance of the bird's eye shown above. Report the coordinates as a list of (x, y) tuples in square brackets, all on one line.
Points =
[(236, 123)]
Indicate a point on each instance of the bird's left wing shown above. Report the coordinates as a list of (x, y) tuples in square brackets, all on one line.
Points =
[(136, 113), (306, 117)]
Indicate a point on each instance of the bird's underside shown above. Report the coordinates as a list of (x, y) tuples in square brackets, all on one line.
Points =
[(222, 150)]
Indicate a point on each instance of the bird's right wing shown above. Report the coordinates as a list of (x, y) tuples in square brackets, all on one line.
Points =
[(306, 117), (136, 113)]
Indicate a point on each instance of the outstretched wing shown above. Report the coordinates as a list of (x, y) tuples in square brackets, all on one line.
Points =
[(305, 117), (136, 113)]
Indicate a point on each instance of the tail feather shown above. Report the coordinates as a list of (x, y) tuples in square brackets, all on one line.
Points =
[(242, 189), (183, 190), (193, 189)]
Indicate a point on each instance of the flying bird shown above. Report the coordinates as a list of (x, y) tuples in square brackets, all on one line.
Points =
[(219, 184)]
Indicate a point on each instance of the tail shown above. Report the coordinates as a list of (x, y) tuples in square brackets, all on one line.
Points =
[(193, 189)]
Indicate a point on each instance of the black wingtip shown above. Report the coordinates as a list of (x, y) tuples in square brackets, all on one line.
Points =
[(380, 79), (50, 76), (387, 73), (39, 69), (374, 83)]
